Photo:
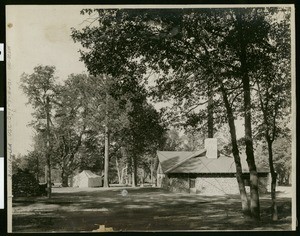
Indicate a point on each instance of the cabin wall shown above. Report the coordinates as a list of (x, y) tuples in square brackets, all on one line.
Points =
[(178, 185), (159, 180), (207, 185), (217, 186)]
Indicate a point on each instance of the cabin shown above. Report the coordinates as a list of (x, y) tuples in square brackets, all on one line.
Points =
[(205, 171)]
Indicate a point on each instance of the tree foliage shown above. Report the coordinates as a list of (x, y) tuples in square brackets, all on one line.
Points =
[(81, 107)]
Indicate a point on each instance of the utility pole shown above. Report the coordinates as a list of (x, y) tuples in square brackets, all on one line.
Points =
[(48, 156)]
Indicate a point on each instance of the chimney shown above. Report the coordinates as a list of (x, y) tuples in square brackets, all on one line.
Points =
[(211, 146)]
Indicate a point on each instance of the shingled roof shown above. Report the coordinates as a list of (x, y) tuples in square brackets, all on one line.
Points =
[(197, 162)]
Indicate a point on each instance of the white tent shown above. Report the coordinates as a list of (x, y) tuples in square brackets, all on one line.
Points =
[(87, 179)]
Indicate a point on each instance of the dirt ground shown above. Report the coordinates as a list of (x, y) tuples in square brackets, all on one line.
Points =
[(141, 209)]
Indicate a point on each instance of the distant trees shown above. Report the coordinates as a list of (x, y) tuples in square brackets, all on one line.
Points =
[(142, 133), (70, 124), (174, 141), (81, 109), (33, 162), (186, 140), (282, 158)]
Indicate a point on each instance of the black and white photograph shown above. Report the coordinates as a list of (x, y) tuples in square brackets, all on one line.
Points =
[(150, 118)]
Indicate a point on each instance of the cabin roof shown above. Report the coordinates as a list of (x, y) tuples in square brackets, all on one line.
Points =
[(197, 162)]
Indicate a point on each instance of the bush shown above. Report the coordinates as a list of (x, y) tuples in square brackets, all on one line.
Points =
[(24, 184), (42, 189)]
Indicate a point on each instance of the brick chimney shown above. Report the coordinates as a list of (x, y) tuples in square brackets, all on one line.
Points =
[(211, 146)]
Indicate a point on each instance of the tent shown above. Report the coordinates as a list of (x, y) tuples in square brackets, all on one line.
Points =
[(87, 179)]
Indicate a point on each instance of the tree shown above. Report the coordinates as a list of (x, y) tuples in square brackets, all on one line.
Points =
[(144, 131), (96, 117), (273, 88), (70, 123), (34, 163), (173, 141), (282, 160), (39, 88), (92, 152), (242, 21), (119, 163)]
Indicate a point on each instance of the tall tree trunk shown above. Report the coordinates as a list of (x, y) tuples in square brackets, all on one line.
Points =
[(235, 151), (134, 172), (273, 181), (254, 195), (118, 171), (122, 175), (128, 180), (37, 169), (48, 156), (133, 182), (210, 115), (270, 151), (64, 179), (236, 155), (143, 177), (254, 201), (106, 148), (48, 175), (106, 158), (151, 171), (71, 179)]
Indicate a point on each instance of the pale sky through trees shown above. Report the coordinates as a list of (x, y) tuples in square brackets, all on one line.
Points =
[(40, 35)]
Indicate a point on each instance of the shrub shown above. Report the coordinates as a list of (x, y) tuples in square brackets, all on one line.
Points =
[(24, 184)]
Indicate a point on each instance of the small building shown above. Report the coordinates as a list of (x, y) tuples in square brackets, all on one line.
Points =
[(204, 171), (87, 179)]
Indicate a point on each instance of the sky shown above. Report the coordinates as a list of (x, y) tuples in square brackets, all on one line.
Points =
[(37, 35)]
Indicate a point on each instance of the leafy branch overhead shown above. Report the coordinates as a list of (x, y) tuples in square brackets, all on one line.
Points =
[(183, 46)]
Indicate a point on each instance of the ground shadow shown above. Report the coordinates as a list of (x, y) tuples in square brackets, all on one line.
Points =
[(142, 209)]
